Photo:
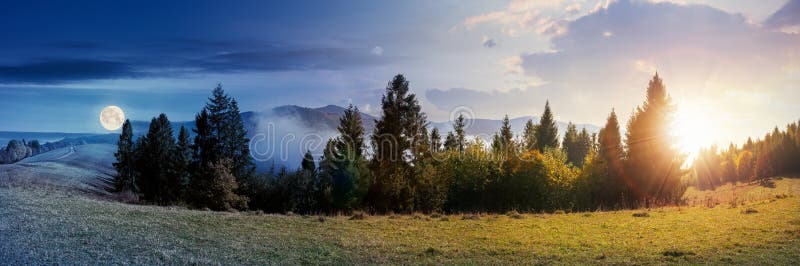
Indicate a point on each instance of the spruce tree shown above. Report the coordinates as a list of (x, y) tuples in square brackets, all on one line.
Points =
[(529, 136), (221, 136), (344, 162), (158, 183), (460, 134), (183, 157), (570, 145), (503, 142), (611, 188), (450, 142), (436, 140), (653, 164), (546, 132), (585, 143), (351, 132), (125, 179), (392, 140)]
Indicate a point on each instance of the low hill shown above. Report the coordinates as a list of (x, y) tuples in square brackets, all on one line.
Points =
[(85, 168)]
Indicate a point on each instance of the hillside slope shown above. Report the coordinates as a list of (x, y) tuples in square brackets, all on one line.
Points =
[(85, 168), (62, 221)]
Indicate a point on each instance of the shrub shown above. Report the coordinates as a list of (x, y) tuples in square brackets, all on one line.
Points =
[(470, 217), (514, 214), (358, 216)]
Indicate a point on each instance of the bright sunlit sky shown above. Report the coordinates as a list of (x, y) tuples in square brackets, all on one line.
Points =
[(732, 66)]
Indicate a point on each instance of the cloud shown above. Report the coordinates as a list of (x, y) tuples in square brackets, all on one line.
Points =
[(573, 8), (787, 16), (63, 70), (377, 50), (523, 17), (179, 58), (697, 40), (514, 102), (513, 65), (607, 57), (488, 42)]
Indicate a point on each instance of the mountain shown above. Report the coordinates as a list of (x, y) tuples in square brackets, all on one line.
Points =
[(485, 128), (281, 135)]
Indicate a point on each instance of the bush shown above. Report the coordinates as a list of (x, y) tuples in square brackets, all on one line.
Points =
[(471, 217), (358, 216), (514, 215)]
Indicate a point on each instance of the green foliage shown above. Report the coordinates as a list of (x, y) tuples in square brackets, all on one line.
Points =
[(546, 131), (529, 136), (653, 164), (214, 187), (436, 140), (576, 145), (394, 138), (125, 179), (156, 164), (560, 177), (460, 135), (503, 143), (761, 159)]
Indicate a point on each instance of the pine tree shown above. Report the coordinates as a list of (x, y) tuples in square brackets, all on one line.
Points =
[(125, 179), (610, 188), (450, 142), (506, 136), (570, 145), (460, 135), (585, 143), (351, 131), (220, 136), (546, 132), (392, 140), (183, 157), (529, 136), (156, 163), (745, 166), (303, 188), (436, 140), (654, 165)]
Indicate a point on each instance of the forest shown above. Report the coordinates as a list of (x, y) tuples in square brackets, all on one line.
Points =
[(405, 167)]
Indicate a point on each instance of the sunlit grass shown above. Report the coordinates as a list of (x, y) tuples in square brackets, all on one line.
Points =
[(54, 226)]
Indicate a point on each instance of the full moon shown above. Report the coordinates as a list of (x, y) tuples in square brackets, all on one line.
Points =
[(112, 117)]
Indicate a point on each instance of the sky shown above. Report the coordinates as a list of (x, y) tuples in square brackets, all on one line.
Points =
[(731, 66)]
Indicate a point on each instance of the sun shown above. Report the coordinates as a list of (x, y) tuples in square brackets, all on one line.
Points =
[(692, 130)]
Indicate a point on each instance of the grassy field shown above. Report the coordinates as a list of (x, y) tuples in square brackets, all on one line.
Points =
[(48, 225), (51, 211)]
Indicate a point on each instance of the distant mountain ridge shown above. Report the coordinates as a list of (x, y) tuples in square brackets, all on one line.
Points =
[(291, 119)]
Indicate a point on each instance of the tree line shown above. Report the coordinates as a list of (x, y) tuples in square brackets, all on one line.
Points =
[(778, 153), (404, 167)]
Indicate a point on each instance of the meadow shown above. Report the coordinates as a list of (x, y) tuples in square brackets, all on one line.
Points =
[(45, 224)]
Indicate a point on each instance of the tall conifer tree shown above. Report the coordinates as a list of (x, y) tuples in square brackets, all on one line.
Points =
[(546, 132)]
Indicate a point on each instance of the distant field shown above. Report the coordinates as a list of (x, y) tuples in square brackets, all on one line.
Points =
[(45, 224)]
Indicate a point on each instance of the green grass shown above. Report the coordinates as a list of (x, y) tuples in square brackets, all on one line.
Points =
[(46, 225)]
